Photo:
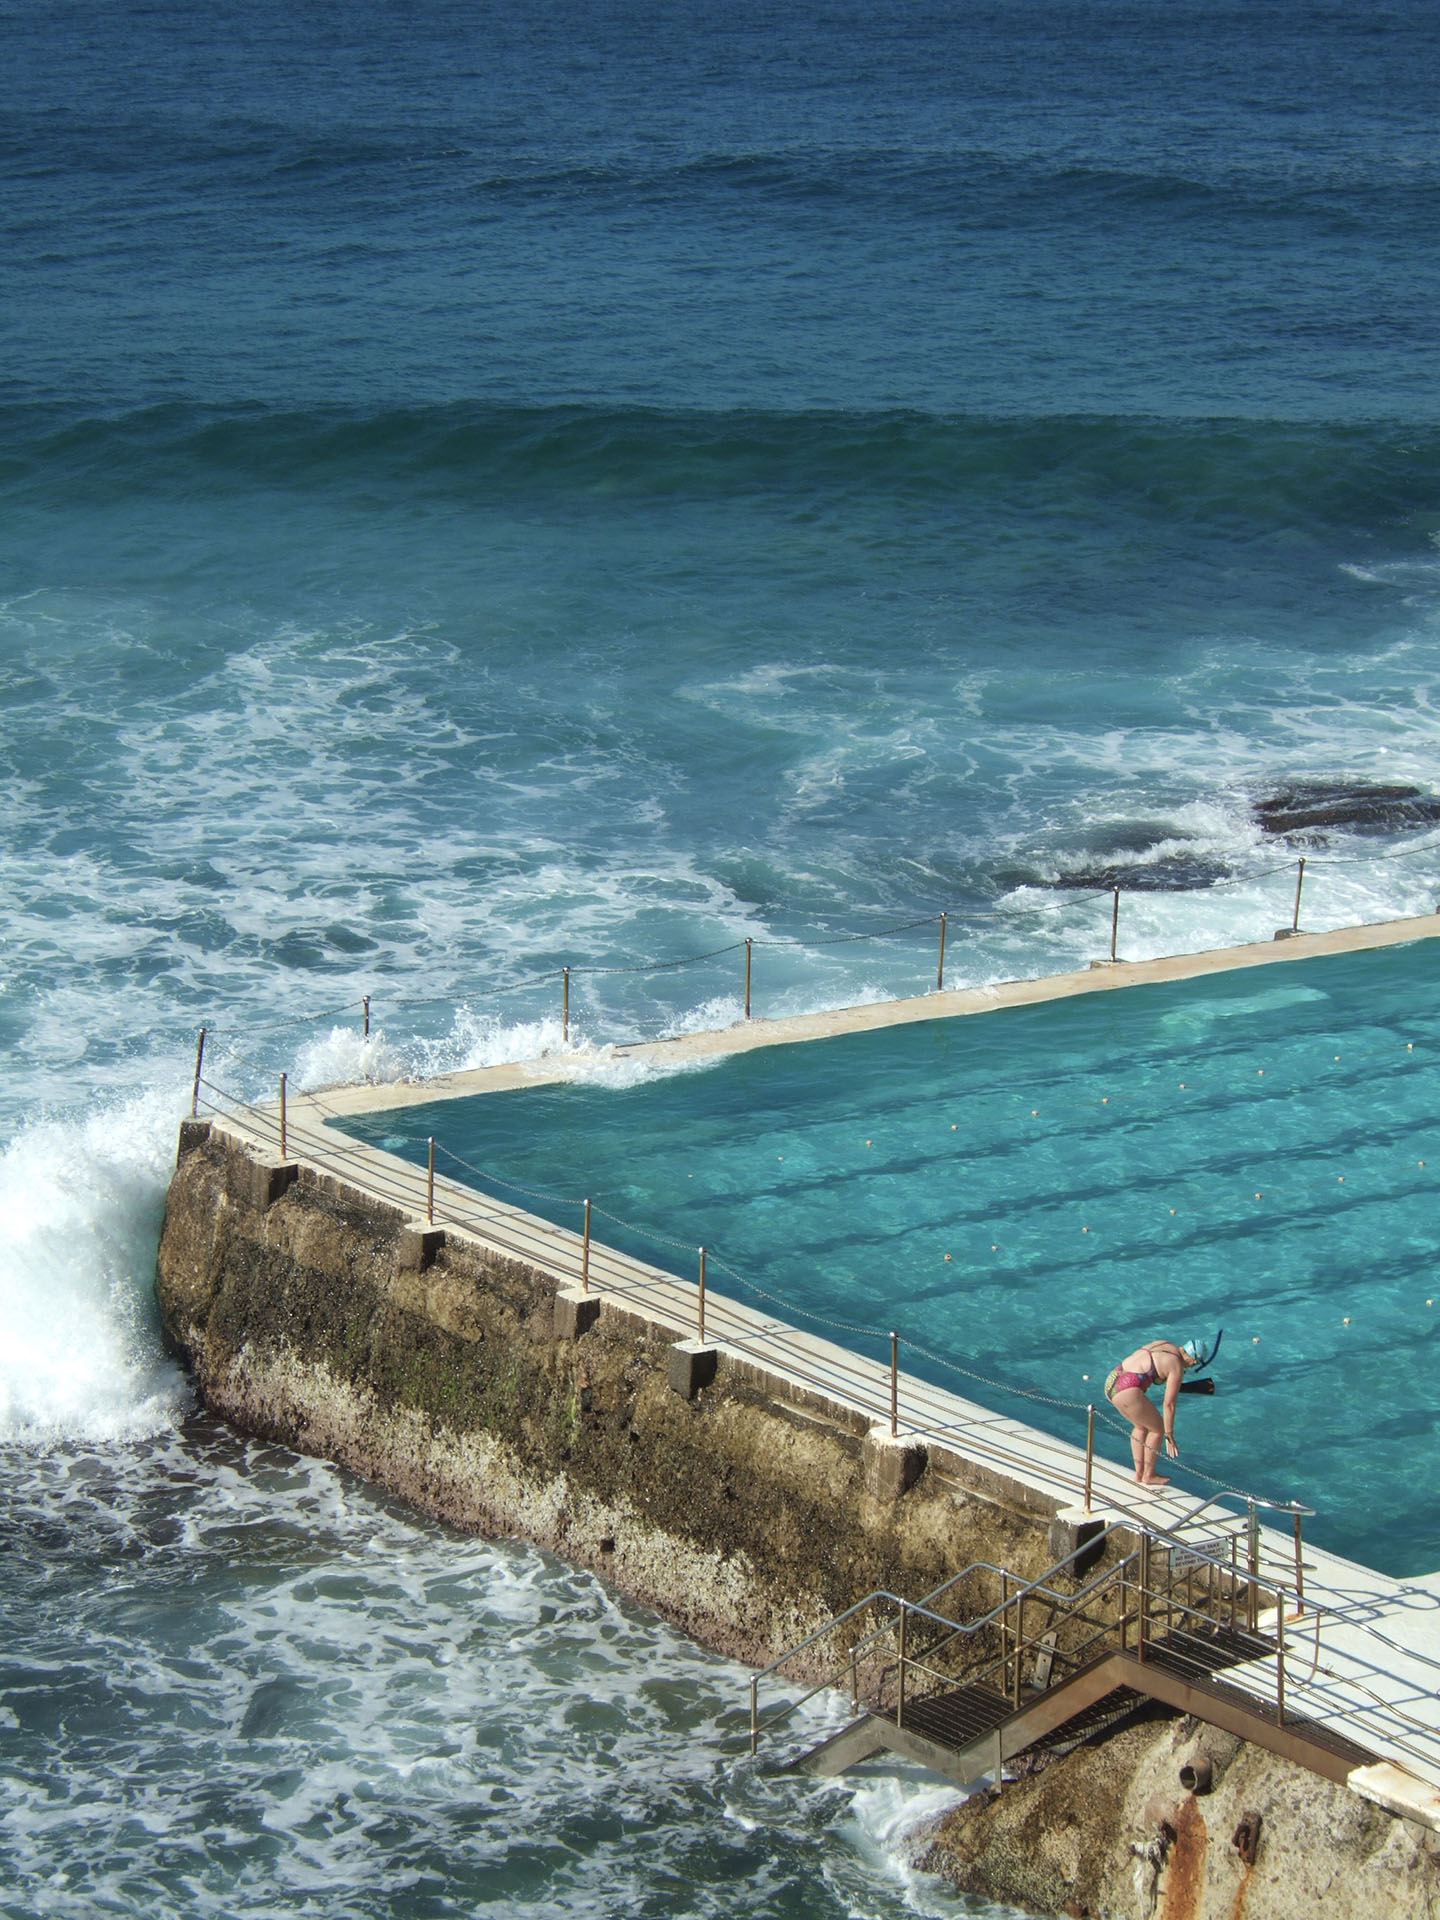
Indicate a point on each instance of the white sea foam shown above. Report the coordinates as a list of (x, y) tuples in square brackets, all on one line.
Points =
[(80, 1204)]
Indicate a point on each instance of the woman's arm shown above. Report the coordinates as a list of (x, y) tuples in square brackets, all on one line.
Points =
[(1172, 1371)]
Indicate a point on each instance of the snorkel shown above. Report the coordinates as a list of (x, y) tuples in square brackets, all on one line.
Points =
[(1202, 1359)]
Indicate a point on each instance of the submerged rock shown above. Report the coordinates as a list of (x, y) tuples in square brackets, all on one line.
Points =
[(1307, 807)]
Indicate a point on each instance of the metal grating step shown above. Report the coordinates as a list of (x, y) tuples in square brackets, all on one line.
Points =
[(955, 1718)]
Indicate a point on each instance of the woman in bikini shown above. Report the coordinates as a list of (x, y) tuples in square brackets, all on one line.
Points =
[(1158, 1363)]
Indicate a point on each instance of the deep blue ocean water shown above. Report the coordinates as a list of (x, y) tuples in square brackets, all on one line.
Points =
[(481, 491)]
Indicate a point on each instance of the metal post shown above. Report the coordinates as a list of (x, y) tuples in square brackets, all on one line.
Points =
[(1004, 1626), (1280, 1657), (754, 1715), (1143, 1604), (1124, 1615), (199, 1061), (1089, 1452), (747, 979), (894, 1385), (1299, 1571), (702, 1297), (282, 1116), (940, 964), (900, 1695), (1019, 1647), (565, 1010), (585, 1254), (366, 1004), (430, 1183), (854, 1684), (1114, 923), (1252, 1603), (1234, 1580), (1299, 883)]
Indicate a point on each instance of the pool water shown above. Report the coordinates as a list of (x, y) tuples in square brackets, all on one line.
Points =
[(1031, 1192)]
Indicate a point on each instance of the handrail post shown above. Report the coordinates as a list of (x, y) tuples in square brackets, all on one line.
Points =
[(1089, 1452), (754, 1714), (1299, 883), (1143, 1604), (854, 1684), (565, 1009), (748, 944), (1280, 1656), (894, 1385), (282, 1117), (900, 1695), (701, 1300), (1299, 1569), (1124, 1611), (199, 1062), (940, 963), (1252, 1602), (365, 1003), (585, 1254), (430, 1182), (1004, 1623), (1234, 1578), (1019, 1646)]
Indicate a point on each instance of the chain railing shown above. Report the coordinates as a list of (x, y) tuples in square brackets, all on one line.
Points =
[(946, 922)]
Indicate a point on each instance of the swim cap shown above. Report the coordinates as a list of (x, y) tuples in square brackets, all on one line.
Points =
[(1199, 1352)]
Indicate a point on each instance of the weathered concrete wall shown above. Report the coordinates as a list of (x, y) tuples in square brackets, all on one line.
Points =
[(1108, 1831), (746, 1518)]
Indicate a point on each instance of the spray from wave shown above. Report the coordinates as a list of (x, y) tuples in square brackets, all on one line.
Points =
[(80, 1209)]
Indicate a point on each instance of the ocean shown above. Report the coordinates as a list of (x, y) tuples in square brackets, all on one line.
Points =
[(486, 491)]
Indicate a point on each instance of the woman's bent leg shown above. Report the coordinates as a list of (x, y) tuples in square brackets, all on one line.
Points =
[(1146, 1432)]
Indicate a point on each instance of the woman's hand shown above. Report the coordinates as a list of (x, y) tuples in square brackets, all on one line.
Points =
[(1170, 1446)]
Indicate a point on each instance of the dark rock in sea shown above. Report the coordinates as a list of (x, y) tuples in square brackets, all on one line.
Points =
[(1169, 873), (1307, 807), (1173, 872)]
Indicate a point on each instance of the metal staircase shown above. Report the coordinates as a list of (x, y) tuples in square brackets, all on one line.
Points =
[(1055, 1660)]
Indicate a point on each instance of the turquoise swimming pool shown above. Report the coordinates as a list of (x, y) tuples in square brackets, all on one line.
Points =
[(1030, 1191)]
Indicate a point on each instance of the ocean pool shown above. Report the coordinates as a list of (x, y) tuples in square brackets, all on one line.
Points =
[(1031, 1191)]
